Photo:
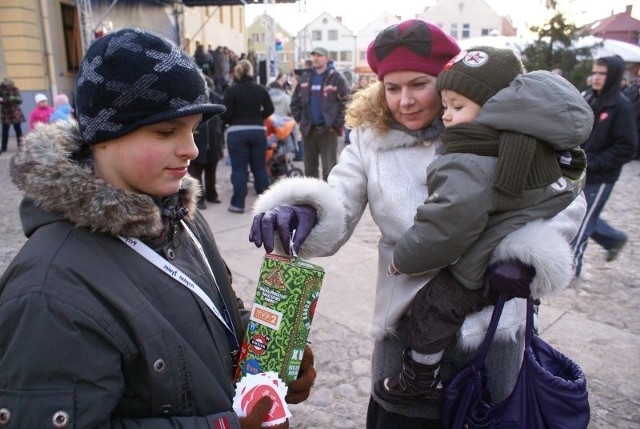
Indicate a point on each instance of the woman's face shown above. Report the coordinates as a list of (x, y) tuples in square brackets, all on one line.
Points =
[(412, 98), (151, 160)]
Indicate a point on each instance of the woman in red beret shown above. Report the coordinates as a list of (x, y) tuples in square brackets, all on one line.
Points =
[(396, 124)]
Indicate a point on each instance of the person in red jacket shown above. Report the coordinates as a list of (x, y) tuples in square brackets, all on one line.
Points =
[(41, 112)]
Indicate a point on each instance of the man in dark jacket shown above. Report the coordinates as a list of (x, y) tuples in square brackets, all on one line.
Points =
[(612, 143), (318, 105)]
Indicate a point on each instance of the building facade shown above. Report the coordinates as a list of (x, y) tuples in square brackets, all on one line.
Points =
[(272, 45), (42, 41), (330, 33), (464, 19)]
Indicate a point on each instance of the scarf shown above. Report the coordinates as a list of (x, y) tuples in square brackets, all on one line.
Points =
[(523, 161), (430, 132)]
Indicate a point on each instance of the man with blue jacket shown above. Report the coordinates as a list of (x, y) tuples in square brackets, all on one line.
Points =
[(318, 105)]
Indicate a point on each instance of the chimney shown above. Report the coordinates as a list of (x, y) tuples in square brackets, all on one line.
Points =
[(628, 9), (339, 18)]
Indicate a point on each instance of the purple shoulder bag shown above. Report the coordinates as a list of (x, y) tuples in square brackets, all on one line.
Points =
[(550, 392)]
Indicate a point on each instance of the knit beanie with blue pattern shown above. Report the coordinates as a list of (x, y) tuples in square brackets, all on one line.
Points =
[(132, 78)]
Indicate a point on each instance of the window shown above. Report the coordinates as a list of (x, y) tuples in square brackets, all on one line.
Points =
[(454, 30), (485, 32), (466, 31), (71, 34), (332, 35), (316, 35), (363, 55), (346, 56)]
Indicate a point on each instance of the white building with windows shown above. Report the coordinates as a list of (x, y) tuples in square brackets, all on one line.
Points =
[(464, 19), (330, 33)]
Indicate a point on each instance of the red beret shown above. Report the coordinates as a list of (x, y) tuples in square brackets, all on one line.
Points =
[(412, 45)]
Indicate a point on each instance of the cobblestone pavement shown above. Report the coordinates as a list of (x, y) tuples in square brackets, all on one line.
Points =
[(596, 322)]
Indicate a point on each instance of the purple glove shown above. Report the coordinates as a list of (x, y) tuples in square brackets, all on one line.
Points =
[(512, 278), (285, 219)]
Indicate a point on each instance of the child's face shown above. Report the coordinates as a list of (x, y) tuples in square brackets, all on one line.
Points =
[(457, 108), (151, 160)]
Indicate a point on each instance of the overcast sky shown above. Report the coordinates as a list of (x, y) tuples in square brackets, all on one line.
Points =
[(357, 13)]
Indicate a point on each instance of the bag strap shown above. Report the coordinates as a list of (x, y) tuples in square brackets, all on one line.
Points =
[(498, 306), (528, 333)]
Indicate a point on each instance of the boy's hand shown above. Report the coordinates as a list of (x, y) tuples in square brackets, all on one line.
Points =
[(300, 388), (259, 414)]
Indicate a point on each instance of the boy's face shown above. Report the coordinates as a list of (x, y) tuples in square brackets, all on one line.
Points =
[(151, 160), (458, 108), (598, 77)]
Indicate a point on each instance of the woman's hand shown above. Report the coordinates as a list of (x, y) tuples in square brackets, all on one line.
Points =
[(510, 277), (286, 219)]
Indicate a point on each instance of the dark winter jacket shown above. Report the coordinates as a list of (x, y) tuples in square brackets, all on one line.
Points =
[(614, 137), (209, 137), (334, 95), (247, 103), (93, 334)]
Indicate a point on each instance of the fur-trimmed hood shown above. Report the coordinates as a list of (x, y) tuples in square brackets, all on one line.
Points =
[(54, 170)]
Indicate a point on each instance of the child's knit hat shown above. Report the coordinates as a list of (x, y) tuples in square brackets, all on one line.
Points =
[(131, 78), (480, 72)]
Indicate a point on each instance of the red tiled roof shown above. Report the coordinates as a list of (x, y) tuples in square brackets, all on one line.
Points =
[(617, 23)]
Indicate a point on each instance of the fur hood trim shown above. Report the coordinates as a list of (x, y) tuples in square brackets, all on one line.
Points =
[(53, 169), (318, 194)]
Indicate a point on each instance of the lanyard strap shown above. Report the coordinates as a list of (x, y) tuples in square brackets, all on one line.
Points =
[(175, 273)]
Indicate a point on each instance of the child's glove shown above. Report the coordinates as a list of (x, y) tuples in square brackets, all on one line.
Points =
[(284, 219), (510, 277), (300, 388), (258, 415)]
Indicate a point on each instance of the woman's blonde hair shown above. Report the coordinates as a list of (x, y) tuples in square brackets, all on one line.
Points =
[(369, 108), (242, 69)]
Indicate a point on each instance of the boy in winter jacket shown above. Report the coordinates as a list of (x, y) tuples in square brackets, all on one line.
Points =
[(506, 161), (118, 311)]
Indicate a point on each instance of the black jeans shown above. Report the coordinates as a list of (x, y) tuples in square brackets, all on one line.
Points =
[(5, 134), (196, 170)]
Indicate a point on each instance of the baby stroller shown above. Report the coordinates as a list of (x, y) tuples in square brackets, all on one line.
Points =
[(282, 148)]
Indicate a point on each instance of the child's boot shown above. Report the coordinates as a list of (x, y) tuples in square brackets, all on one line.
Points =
[(416, 382)]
